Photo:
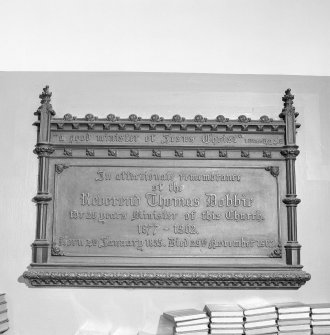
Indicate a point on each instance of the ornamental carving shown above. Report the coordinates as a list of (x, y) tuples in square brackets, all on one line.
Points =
[(266, 154), (222, 153), (221, 118), (265, 119), (245, 154), (43, 151), (200, 118), (112, 153), (59, 168), (291, 201), (243, 118), (134, 153), (179, 279), (277, 252), (290, 153), (156, 153), (156, 118), (177, 118), (112, 117), (178, 153), (90, 152), (56, 250), (274, 170), (67, 152), (201, 153)]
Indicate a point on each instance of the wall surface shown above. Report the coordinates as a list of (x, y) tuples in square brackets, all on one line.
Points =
[(56, 311), (204, 36)]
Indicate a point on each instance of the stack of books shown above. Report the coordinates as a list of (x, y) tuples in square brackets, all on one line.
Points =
[(320, 315), (293, 318), (188, 321), (4, 323), (225, 319), (260, 320)]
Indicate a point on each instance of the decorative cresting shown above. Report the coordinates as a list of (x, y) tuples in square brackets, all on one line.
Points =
[(290, 153), (43, 149), (101, 181)]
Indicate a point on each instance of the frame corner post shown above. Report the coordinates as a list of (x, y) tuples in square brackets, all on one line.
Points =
[(40, 247), (290, 152)]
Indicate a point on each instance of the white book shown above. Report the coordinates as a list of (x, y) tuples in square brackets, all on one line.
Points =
[(223, 310), (320, 322), (321, 330), (292, 307), (226, 331), (293, 316), (294, 327), (320, 308), (305, 321), (190, 328), (250, 310), (259, 324), (261, 331), (184, 315), (320, 317), (193, 322), (297, 332), (226, 326), (259, 317), (227, 320)]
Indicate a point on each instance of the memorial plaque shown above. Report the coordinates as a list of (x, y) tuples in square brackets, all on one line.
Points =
[(166, 203)]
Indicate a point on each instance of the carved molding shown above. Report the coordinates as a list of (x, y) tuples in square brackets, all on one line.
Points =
[(245, 154), (112, 153), (274, 170), (291, 201), (90, 152), (170, 279), (134, 153), (201, 153), (277, 252), (199, 123), (266, 154), (223, 153), (43, 151), (56, 250), (67, 152), (59, 168), (290, 153), (156, 153), (178, 153), (42, 197)]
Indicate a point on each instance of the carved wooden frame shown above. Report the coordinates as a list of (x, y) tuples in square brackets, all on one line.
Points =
[(45, 272)]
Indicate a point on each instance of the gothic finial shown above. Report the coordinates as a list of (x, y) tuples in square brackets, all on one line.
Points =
[(45, 95), (288, 104), (45, 102)]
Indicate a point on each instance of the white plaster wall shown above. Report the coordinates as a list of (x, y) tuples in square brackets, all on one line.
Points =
[(56, 311), (207, 36)]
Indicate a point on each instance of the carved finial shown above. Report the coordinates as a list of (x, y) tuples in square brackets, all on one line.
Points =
[(288, 104), (45, 95), (45, 102)]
